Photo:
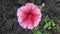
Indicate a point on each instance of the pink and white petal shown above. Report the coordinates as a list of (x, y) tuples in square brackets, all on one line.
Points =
[(29, 5), (30, 26), (20, 19), (19, 12), (23, 24), (23, 8), (34, 7), (37, 11), (37, 20)]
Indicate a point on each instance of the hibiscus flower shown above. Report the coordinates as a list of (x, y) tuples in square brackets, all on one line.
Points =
[(29, 16)]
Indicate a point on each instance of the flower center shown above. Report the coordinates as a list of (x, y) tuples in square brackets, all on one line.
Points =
[(29, 14)]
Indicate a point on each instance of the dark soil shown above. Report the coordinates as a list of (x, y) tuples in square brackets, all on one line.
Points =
[(8, 18)]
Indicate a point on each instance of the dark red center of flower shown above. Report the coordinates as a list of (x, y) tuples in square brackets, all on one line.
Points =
[(29, 14)]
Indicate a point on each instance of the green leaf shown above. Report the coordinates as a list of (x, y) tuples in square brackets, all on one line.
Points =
[(45, 26), (46, 32), (49, 27), (49, 23), (46, 18), (58, 28), (38, 32), (36, 29), (53, 23)]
